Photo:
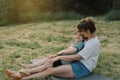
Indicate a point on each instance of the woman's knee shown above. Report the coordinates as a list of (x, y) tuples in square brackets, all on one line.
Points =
[(49, 70), (52, 70)]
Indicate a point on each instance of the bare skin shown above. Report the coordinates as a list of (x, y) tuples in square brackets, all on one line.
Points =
[(64, 71), (25, 72)]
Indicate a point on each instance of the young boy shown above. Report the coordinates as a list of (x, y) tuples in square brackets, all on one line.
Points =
[(41, 65)]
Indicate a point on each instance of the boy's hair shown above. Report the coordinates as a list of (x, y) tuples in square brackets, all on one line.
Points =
[(76, 32), (87, 24)]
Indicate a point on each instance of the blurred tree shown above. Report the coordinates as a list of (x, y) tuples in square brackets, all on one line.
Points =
[(114, 13), (16, 11), (92, 6), (116, 4), (3, 12)]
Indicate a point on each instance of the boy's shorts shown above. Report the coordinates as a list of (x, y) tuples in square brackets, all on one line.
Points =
[(79, 69), (57, 63)]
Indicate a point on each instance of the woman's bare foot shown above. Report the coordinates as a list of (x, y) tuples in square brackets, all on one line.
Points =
[(13, 74)]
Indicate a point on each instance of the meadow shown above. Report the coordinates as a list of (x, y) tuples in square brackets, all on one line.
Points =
[(20, 43)]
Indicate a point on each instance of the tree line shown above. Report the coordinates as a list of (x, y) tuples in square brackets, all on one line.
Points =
[(16, 10)]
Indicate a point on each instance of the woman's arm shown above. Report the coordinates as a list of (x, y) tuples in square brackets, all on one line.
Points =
[(68, 58)]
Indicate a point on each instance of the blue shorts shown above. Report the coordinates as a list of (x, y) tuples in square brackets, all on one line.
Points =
[(79, 69)]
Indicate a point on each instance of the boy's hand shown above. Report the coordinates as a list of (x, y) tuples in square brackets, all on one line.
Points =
[(59, 53), (56, 58), (53, 56)]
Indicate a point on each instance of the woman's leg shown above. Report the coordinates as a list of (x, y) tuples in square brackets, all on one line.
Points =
[(25, 72), (64, 71), (38, 63)]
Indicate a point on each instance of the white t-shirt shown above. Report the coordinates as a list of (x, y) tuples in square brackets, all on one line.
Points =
[(90, 53)]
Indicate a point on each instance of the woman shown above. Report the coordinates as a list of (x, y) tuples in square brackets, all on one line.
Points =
[(83, 62)]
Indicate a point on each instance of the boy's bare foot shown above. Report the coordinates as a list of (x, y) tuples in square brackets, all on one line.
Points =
[(49, 63), (25, 66), (25, 72), (13, 74), (35, 60)]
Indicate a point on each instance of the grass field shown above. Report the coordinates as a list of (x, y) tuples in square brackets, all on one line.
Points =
[(20, 43)]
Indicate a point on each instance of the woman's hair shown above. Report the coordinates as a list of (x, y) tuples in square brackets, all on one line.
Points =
[(87, 24)]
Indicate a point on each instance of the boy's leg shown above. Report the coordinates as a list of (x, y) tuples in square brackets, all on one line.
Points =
[(38, 63), (35, 60), (37, 69), (64, 71)]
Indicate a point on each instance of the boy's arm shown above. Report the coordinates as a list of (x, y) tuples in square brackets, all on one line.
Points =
[(72, 49), (67, 51)]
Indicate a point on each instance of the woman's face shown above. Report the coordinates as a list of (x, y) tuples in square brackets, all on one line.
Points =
[(84, 34), (78, 37)]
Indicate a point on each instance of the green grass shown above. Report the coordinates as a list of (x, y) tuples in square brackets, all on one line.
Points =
[(20, 43), (1, 46), (113, 15), (15, 43)]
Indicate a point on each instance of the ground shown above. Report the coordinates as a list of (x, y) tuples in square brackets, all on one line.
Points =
[(20, 43)]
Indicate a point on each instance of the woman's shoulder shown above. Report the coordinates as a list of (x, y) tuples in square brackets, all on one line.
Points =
[(94, 41)]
